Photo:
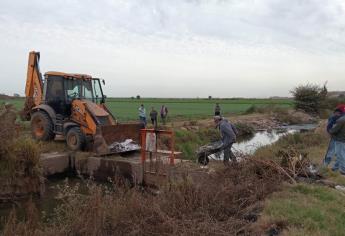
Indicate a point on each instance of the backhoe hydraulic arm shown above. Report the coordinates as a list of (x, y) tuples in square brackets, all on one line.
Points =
[(34, 85)]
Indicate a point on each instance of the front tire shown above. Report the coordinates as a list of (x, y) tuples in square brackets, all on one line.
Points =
[(75, 139), (42, 126)]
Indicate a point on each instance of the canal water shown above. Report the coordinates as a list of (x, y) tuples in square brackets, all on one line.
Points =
[(263, 138)]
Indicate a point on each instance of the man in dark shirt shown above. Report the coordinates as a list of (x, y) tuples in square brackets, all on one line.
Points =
[(217, 110), (153, 116)]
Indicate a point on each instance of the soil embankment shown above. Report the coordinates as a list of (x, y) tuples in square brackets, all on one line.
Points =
[(258, 121)]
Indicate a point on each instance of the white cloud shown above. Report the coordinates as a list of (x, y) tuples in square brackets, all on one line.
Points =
[(178, 48)]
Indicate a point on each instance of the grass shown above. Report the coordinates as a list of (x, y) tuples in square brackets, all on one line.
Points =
[(188, 141), (307, 210), (127, 109), (312, 144)]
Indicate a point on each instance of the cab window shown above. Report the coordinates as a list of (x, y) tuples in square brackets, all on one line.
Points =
[(73, 90)]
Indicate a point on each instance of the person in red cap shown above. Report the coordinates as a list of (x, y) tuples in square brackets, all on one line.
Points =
[(341, 107)]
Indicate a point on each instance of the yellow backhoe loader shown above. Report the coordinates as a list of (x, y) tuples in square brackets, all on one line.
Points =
[(72, 105)]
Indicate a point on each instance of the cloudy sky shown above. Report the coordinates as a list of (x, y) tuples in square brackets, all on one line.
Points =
[(178, 48)]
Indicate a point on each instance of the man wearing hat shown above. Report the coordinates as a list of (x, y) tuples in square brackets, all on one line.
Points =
[(337, 131), (228, 133)]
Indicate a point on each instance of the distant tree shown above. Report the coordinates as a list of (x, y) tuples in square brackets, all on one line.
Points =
[(16, 95), (209, 97), (138, 96), (132, 97), (309, 97)]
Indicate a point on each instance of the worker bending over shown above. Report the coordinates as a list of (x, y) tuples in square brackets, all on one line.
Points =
[(228, 133)]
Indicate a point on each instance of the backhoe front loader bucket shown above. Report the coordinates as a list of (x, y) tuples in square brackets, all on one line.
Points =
[(120, 138)]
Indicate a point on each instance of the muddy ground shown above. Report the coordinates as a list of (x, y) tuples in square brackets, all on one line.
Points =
[(257, 121)]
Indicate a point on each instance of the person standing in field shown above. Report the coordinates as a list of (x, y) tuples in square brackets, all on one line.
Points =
[(217, 110), (228, 133), (164, 113), (338, 134), (142, 115), (153, 116), (331, 146)]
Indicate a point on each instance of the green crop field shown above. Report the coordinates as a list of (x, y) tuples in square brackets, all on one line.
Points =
[(127, 109)]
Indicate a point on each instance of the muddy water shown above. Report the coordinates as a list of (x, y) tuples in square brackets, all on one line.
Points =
[(264, 138)]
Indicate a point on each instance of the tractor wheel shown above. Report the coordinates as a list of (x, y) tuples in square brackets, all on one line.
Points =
[(42, 126), (75, 139)]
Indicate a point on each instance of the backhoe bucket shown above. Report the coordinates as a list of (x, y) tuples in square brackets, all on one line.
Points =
[(120, 138)]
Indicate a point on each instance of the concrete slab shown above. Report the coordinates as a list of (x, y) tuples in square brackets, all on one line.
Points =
[(103, 168), (55, 163)]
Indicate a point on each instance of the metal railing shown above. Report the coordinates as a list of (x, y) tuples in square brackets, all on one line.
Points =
[(157, 151)]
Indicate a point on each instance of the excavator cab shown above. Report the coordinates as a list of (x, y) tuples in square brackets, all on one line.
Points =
[(60, 91), (73, 106)]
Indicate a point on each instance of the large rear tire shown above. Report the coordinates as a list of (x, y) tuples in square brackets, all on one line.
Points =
[(75, 139), (42, 126)]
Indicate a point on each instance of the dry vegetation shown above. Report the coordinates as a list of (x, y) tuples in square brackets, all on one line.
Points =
[(20, 172), (226, 203)]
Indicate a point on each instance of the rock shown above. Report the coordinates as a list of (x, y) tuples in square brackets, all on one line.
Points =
[(340, 188)]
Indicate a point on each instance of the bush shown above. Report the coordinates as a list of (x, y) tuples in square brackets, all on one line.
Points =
[(7, 127), (309, 97), (265, 109), (19, 157), (26, 154), (244, 129), (223, 202)]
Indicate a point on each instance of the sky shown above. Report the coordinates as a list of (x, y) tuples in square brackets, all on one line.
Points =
[(178, 48)]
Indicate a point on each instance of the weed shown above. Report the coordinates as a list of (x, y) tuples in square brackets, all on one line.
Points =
[(220, 204), (188, 141), (20, 170), (244, 129)]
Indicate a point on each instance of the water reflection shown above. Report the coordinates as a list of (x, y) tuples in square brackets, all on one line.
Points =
[(260, 139)]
